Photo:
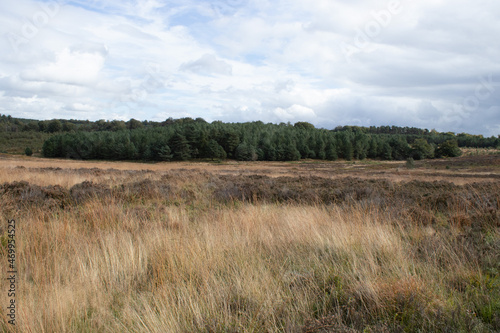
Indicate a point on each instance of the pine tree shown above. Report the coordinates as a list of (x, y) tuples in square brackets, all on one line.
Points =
[(331, 151), (291, 153), (180, 147), (165, 153), (386, 151), (215, 151), (245, 152), (230, 141), (373, 148)]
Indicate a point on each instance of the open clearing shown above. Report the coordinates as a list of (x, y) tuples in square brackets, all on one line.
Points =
[(462, 170), (253, 247)]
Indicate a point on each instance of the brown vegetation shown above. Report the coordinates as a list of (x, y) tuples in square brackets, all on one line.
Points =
[(463, 170), (259, 247)]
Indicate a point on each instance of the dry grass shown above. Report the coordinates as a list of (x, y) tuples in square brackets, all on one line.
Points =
[(191, 263), (480, 151), (253, 268), (463, 170)]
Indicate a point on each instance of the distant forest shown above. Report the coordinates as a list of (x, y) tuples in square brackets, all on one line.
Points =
[(187, 138)]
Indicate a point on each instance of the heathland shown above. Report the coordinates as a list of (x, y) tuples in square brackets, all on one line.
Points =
[(306, 246)]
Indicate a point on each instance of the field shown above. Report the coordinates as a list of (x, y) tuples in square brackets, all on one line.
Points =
[(307, 246)]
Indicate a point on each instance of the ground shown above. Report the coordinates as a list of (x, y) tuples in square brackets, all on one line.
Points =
[(462, 170), (309, 246)]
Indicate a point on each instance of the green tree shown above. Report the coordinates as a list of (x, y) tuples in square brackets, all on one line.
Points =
[(130, 151), (245, 152), (311, 147), (304, 125), (301, 143), (230, 142), (320, 148), (421, 149), (54, 126), (449, 148), (193, 137), (269, 150), (204, 142), (361, 145), (215, 150), (164, 153), (133, 124), (118, 125), (331, 151), (52, 147), (346, 149), (28, 151), (373, 148), (400, 148), (32, 126), (386, 151), (291, 153), (42, 126), (180, 147), (68, 127)]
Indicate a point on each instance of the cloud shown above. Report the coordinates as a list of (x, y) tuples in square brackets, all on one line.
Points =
[(207, 64), (81, 107), (295, 113), (130, 31), (237, 60), (76, 66)]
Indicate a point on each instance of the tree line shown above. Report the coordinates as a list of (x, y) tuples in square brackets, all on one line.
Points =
[(187, 138), (13, 125), (10, 124)]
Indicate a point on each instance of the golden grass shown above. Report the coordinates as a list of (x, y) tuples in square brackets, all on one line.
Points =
[(148, 265), (45, 172), (253, 268)]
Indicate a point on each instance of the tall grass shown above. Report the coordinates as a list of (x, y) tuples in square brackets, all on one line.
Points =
[(110, 267), (178, 253)]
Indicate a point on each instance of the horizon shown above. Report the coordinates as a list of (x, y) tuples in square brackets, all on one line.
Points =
[(425, 65)]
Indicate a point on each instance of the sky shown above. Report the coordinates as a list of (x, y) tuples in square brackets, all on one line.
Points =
[(431, 64)]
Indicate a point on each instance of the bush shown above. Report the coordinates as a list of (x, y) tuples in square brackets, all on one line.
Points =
[(448, 148), (410, 163), (28, 151), (422, 149)]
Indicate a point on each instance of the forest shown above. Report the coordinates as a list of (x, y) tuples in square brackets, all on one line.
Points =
[(187, 138)]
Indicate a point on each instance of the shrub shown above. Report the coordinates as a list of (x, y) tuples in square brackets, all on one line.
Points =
[(448, 148), (410, 163)]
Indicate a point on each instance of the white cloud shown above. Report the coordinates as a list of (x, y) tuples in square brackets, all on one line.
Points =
[(70, 67), (239, 60), (207, 64), (295, 113), (82, 107)]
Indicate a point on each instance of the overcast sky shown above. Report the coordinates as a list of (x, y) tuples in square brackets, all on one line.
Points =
[(423, 63)]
